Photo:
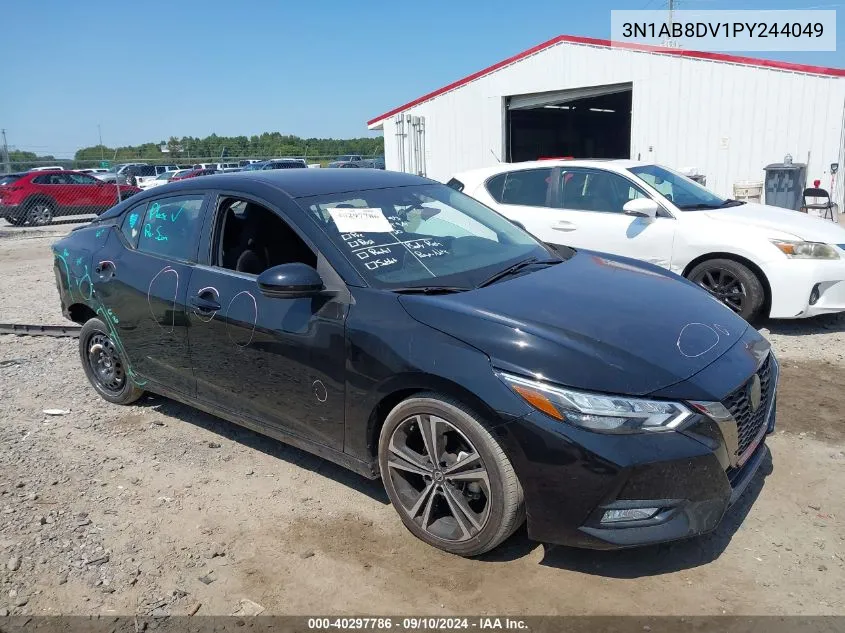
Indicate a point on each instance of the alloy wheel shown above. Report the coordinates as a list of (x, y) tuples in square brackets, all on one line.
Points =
[(105, 363), (439, 477), (723, 285), (40, 213)]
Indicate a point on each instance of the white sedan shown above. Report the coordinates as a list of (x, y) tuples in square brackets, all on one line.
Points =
[(756, 259), (161, 179)]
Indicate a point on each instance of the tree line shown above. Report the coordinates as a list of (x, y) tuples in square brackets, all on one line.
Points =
[(266, 145), (189, 149)]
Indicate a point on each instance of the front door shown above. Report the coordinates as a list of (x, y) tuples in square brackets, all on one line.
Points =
[(90, 195), (590, 216), (278, 361), (140, 280)]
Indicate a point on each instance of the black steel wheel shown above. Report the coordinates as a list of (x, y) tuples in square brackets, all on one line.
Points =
[(447, 477), (732, 283), (104, 365)]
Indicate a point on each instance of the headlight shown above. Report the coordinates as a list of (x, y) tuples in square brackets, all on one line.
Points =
[(598, 412), (806, 250)]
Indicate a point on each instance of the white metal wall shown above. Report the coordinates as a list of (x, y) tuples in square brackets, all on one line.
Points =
[(728, 120)]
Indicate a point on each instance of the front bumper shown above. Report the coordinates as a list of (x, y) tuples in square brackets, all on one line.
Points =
[(572, 477), (792, 282)]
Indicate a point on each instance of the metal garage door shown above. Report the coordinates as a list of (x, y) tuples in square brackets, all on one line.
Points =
[(540, 99)]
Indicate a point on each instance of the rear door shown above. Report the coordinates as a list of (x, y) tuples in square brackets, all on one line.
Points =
[(141, 279), (526, 197), (59, 188), (590, 214)]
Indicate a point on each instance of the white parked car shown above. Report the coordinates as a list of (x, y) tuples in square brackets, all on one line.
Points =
[(756, 259), (162, 179), (98, 172)]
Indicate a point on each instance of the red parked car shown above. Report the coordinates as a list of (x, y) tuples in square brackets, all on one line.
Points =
[(194, 174), (36, 197)]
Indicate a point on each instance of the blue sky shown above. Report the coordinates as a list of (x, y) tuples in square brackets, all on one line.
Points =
[(147, 70)]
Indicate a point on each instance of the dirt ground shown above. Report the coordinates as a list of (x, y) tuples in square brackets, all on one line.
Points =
[(160, 509)]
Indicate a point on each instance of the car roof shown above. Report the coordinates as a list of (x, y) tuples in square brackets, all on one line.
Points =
[(482, 173), (299, 183), (41, 172)]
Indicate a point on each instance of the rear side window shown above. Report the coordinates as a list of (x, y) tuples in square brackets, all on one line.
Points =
[(170, 227), (528, 187), (455, 184), (52, 179), (131, 227)]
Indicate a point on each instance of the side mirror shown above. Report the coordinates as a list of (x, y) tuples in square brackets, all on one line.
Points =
[(641, 208), (290, 281)]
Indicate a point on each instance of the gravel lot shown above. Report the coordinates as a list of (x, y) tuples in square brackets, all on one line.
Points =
[(160, 509)]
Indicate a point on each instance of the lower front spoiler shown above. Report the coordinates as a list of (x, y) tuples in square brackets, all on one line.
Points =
[(682, 519)]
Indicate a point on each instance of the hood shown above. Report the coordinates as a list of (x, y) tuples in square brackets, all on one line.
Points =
[(595, 322), (776, 219)]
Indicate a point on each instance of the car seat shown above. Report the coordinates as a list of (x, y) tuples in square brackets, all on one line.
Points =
[(251, 247)]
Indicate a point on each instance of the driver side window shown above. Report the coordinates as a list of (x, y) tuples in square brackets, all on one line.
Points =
[(251, 238), (596, 190)]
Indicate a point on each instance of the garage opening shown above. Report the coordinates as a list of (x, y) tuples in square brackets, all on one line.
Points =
[(591, 122)]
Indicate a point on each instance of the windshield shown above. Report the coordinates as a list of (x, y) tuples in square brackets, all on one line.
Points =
[(424, 235), (344, 158), (683, 192), (254, 167)]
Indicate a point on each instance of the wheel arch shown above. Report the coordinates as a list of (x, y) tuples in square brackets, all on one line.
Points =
[(81, 313), (767, 288), (39, 197), (406, 386)]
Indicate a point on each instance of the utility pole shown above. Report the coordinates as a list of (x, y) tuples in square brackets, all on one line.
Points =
[(102, 149), (7, 167)]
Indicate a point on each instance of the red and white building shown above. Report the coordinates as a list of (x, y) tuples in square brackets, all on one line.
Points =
[(724, 116)]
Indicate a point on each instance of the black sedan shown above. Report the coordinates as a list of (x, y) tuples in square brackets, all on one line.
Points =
[(404, 330)]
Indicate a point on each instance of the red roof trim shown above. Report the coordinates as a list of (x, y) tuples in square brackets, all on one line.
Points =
[(592, 41)]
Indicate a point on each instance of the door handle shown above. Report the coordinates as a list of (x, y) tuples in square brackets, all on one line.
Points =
[(105, 269), (203, 304), (564, 225)]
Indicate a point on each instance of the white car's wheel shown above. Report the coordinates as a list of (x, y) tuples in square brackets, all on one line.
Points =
[(732, 283)]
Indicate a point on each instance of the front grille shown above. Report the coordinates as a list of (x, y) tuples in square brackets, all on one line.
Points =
[(748, 422)]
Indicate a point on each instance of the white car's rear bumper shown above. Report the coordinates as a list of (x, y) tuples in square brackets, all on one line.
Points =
[(792, 282)]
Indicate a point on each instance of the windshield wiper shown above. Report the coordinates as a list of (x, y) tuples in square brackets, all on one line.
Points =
[(531, 261), (701, 206), (429, 290)]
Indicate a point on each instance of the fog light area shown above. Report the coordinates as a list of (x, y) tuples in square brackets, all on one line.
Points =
[(628, 514)]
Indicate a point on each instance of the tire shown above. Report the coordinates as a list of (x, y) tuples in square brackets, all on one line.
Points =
[(429, 498), (733, 283), (40, 212), (121, 389), (16, 221)]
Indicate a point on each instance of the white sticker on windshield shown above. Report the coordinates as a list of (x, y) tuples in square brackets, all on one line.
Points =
[(360, 220)]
